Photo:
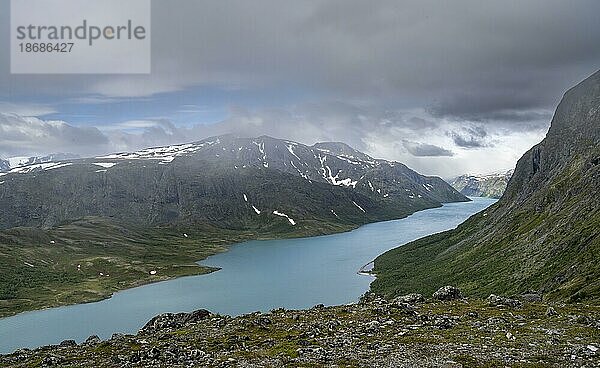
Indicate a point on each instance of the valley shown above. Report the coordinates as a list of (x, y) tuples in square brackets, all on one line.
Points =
[(77, 230), (254, 275)]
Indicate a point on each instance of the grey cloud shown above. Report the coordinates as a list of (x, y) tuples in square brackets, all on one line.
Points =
[(398, 71), (30, 136), (426, 150), (467, 141), (470, 136)]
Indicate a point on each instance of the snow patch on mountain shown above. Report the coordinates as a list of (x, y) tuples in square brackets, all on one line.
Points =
[(291, 150), (281, 214), (106, 165), (489, 185), (165, 154), (37, 167), (359, 207)]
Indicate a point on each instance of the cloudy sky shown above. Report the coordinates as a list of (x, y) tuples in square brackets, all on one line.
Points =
[(447, 87)]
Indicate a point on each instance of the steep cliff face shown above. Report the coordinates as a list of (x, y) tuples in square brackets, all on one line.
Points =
[(574, 135), (544, 232)]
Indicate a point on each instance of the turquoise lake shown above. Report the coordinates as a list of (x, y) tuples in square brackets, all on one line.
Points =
[(254, 276)]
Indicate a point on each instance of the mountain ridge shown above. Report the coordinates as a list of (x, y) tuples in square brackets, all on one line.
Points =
[(170, 182)]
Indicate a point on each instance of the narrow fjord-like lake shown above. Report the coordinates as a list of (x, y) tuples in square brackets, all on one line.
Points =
[(256, 275)]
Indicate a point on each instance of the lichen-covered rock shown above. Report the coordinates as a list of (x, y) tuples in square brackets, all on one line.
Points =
[(447, 293), (173, 320), (409, 299), (500, 301)]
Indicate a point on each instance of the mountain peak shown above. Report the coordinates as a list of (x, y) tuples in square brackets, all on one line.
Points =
[(573, 132)]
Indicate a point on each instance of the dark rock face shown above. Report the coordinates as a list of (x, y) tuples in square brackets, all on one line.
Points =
[(67, 343), (92, 340), (173, 320), (574, 130), (447, 293)]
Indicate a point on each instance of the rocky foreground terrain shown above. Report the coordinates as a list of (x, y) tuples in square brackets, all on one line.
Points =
[(446, 330)]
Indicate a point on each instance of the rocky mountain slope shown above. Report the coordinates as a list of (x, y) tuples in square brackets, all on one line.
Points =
[(228, 182), (492, 185), (542, 235), (410, 331)]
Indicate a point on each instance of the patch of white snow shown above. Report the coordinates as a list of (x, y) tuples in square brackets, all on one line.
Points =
[(277, 213), (359, 207)]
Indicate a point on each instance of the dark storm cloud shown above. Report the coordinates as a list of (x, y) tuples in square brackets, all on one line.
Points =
[(461, 57), (470, 136)]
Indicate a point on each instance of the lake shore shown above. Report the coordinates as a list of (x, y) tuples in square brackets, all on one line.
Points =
[(121, 270), (277, 272)]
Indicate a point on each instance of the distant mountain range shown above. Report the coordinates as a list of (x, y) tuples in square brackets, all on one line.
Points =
[(542, 236), (225, 181), (491, 185)]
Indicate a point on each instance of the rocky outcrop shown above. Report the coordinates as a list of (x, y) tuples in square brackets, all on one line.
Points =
[(447, 293), (173, 320), (409, 299), (500, 301)]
